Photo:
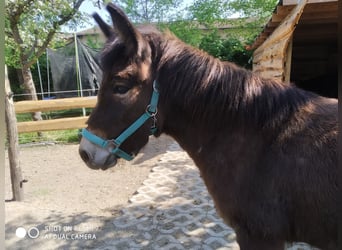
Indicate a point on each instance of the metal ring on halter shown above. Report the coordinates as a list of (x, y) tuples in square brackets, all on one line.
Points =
[(114, 143), (151, 113)]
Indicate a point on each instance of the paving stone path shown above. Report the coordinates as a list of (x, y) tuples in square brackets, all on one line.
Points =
[(173, 210)]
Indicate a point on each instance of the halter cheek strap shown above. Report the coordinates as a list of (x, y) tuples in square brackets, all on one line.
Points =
[(151, 112)]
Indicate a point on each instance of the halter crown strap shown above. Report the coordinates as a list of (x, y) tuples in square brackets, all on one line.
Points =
[(151, 111)]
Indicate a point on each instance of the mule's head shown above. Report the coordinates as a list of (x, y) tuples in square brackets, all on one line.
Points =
[(124, 95)]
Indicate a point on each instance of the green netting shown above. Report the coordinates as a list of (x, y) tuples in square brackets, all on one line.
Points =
[(64, 70)]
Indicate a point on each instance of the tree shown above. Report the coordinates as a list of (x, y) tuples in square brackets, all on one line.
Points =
[(30, 26), (259, 9), (208, 12), (246, 16), (165, 14), (145, 11)]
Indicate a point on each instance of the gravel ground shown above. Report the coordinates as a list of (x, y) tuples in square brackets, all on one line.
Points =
[(62, 192)]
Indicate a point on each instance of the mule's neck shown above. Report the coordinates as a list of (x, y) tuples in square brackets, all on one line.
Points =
[(193, 94), (201, 97)]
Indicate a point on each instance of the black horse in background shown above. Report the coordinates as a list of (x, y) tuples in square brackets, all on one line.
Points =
[(266, 150)]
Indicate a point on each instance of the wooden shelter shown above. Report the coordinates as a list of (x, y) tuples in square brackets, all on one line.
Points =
[(299, 44)]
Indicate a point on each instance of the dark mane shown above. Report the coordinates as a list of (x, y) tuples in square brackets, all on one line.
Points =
[(223, 87)]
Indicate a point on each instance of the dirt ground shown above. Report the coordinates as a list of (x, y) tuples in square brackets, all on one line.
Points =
[(62, 193)]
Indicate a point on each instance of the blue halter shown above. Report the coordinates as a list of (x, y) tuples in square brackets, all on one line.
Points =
[(151, 111)]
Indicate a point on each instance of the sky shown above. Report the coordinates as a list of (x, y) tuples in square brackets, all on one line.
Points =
[(88, 8)]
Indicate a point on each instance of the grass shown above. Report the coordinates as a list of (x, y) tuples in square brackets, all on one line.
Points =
[(58, 136)]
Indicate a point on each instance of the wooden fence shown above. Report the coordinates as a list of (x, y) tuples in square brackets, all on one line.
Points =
[(52, 105)]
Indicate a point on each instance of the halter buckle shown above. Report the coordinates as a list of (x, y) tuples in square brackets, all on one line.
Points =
[(151, 113), (114, 143)]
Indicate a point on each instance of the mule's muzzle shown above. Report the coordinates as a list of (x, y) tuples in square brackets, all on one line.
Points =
[(96, 157)]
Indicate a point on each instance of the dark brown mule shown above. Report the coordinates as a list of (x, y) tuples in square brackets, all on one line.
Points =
[(266, 150)]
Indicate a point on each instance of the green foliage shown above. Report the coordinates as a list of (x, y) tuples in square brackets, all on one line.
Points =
[(31, 25), (16, 84), (94, 43), (229, 45), (145, 11), (258, 9), (43, 74), (226, 49), (184, 30), (11, 52), (209, 16), (213, 44), (207, 12)]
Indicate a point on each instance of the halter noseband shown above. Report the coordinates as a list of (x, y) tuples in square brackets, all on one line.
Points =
[(151, 111)]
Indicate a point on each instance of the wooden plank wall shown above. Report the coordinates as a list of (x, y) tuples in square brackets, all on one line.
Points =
[(50, 105), (269, 58)]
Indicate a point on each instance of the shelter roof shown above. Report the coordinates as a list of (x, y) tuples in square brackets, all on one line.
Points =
[(320, 15)]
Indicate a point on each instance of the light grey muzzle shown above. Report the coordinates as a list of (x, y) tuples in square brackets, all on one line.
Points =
[(96, 157)]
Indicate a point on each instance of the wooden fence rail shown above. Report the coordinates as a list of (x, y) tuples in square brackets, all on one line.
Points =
[(52, 105)]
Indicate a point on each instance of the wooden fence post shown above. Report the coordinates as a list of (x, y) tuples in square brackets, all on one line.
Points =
[(13, 145)]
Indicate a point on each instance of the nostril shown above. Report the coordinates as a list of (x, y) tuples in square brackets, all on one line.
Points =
[(85, 156)]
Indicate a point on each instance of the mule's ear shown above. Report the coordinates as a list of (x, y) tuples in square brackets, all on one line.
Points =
[(124, 28), (106, 29)]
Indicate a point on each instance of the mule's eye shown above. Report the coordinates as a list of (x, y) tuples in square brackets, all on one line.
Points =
[(120, 89)]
